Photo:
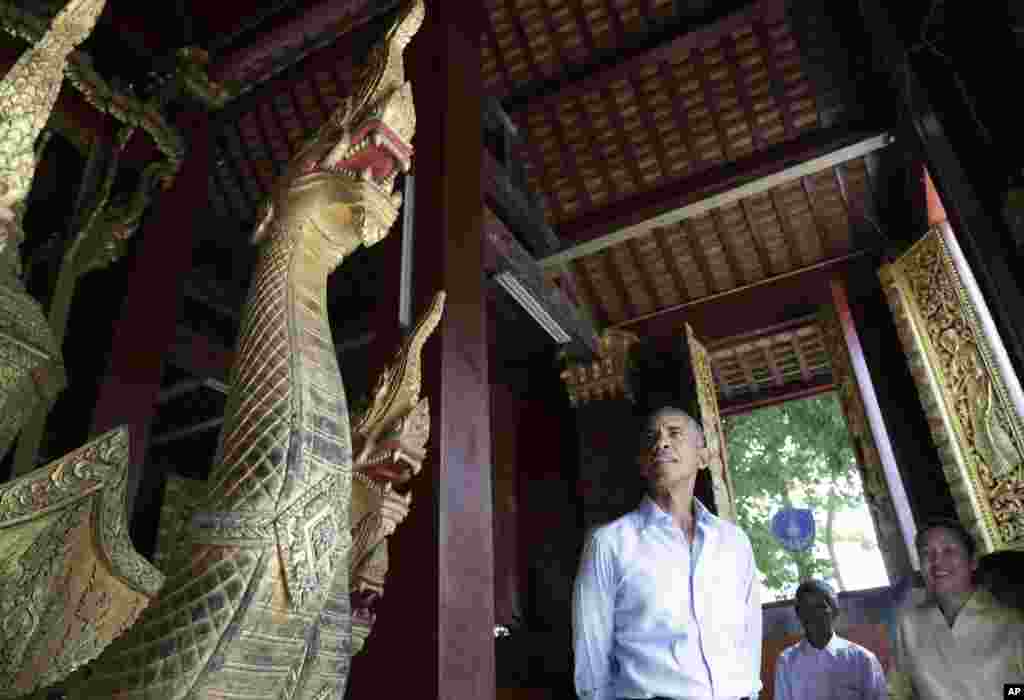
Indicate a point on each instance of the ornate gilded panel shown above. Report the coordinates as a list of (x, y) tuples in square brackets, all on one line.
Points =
[(714, 432), (969, 391), (70, 579), (605, 377)]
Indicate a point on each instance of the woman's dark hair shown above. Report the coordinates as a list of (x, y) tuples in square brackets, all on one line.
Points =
[(950, 525)]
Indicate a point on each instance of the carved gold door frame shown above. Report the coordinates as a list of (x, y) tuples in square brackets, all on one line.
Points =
[(968, 388), (714, 433)]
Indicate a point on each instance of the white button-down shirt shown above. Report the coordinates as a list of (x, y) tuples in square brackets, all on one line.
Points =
[(842, 670), (653, 617)]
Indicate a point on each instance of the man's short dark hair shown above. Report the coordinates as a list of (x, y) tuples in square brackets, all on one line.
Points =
[(952, 525), (817, 586)]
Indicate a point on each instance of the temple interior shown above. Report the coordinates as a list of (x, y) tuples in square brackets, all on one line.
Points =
[(726, 204)]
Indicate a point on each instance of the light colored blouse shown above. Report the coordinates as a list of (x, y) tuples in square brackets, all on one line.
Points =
[(969, 661)]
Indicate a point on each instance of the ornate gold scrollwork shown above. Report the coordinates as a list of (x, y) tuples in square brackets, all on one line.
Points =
[(965, 390), (606, 377)]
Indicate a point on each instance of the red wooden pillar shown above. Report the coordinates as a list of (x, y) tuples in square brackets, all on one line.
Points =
[(434, 632), (146, 328)]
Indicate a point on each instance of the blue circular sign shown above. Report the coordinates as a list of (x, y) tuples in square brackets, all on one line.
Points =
[(794, 528)]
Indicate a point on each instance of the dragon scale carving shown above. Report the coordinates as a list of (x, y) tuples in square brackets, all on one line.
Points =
[(257, 600)]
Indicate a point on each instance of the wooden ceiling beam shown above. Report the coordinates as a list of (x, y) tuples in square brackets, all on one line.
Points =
[(731, 259), (587, 287), (688, 237), (645, 279), (777, 395), (728, 44), (763, 303), (821, 228), (625, 60), (512, 258), (730, 182)]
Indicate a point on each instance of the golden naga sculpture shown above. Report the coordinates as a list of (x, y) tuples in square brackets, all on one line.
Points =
[(390, 440), (257, 600), (390, 443), (31, 368), (70, 579)]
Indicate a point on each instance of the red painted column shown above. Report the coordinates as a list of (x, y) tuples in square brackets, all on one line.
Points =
[(434, 632), (147, 325)]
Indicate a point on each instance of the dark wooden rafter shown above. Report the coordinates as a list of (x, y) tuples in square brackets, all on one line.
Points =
[(679, 111), (821, 227), (611, 269), (711, 181), (524, 39), (776, 395), (733, 65), (755, 240), (773, 366), (776, 79), (671, 263), (652, 290), (535, 156), (711, 103), (793, 249), (227, 137), (273, 114), (657, 140), (583, 26), (615, 22), (499, 55), (609, 66), (586, 128), (513, 258), (689, 238), (575, 172), (798, 351), (318, 97), (586, 285), (732, 261), (611, 107), (295, 99)]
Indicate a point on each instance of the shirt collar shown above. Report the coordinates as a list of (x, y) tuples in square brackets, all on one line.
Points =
[(835, 643), (652, 514)]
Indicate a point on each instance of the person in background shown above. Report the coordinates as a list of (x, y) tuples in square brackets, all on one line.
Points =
[(959, 641), (824, 665), (666, 602)]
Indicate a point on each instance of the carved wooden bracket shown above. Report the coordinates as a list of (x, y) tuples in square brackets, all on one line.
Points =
[(606, 377)]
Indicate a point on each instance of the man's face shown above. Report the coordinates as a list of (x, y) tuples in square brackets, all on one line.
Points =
[(816, 615), (671, 454), (946, 566)]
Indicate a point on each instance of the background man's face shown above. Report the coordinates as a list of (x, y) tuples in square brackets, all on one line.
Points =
[(671, 454), (816, 615), (945, 564)]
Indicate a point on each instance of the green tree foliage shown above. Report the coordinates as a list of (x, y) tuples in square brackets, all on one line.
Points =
[(794, 454)]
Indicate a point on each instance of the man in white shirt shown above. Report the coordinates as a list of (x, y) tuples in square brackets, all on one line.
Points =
[(959, 642), (667, 598), (823, 664)]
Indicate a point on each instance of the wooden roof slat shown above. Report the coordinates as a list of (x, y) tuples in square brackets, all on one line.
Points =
[(611, 107), (586, 130), (652, 291), (524, 40), (821, 229), (499, 55), (793, 247), (755, 239), (610, 68), (773, 366), (680, 113), (615, 277), (776, 80), (658, 144), (690, 240), (728, 45), (586, 285), (732, 261), (711, 103), (574, 168), (671, 264)]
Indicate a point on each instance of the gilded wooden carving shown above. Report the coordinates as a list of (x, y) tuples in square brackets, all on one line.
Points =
[(606, 377), (257, 602), (969, 394), (70, 579), (31, 368), (869, 463), (714, 431)]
